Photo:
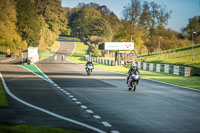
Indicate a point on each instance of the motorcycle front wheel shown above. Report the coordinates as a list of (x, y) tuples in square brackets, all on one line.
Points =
[(89, 73), (134, 85)]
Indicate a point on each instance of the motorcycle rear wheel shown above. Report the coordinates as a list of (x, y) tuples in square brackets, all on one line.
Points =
[(88, 73)]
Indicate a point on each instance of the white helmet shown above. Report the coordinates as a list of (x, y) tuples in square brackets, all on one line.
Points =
[(133, 64)]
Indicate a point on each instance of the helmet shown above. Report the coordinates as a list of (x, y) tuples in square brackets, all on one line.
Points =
[(133, 64)]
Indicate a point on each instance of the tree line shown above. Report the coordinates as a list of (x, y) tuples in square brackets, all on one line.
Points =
[(143, 22), (38, 23), (26, 23)]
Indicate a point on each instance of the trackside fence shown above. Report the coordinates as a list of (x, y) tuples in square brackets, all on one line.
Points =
[(165, 68)]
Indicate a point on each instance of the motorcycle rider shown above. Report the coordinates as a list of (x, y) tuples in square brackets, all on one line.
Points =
[(86, 65), (134, 70)]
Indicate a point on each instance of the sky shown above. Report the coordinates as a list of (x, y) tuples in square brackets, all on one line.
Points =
[(182, 10)]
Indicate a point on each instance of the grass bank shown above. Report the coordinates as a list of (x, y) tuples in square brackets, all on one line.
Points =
[(186, 56), (10, 128), (192, 82), (44, 54), (3, 97)]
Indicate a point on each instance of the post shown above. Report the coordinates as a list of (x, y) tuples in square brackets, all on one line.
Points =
[(159, 44), (22, 58), (193, 32)]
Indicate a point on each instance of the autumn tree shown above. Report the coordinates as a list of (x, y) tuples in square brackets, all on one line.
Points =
[(28, 23), (9, 38), (99, 27), (53, 20), (146, 16), (192, 30)]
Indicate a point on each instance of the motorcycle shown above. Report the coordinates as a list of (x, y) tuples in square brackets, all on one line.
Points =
[(133, 81), (89, 68)]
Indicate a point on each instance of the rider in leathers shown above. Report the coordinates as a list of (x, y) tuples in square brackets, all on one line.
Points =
[(133, 69), (89, 62)]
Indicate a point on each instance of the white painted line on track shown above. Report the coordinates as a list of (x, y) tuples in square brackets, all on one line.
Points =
[(114, 131), (55, 85), (78, 102), (67, 93), (49, 80), (46, 111), (61, 89), (71, 96), (90, 111), (83, 107), (106, 124), (58, 87), (74, 99), (96, 116)]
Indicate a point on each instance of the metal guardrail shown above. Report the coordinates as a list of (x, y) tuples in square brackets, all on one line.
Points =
[(165, 68)]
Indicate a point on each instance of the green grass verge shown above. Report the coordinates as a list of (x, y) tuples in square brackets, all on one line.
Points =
[(47, 54), (35, 70), (3, 97), (78, 55), (2, 55), (9, 128), (71, 38), (192, 82), (180, 56)]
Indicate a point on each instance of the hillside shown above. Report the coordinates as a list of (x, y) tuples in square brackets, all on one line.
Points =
[(186, 56)]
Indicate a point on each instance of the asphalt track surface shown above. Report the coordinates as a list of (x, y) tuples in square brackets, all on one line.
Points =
[(153, 108)]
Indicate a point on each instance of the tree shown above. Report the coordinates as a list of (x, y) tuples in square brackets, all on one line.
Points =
[(146, 15), (82, 19), (9, 38), (132, 12), (28, 22), (54, 15), (138, 36), (193, 28), (99, 27)]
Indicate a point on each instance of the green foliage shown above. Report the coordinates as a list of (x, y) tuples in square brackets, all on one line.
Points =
[(53, 13), (99, 27), (3, 98), (32, 22), (93, 20), (28, 22), (193, 29), (22, 128), (95, 51), (138, 35), (81, 20), (9, 38)]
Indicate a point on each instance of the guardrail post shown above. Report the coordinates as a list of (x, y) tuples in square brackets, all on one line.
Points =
[(166, 68), (144, 66), (157, 67), (139, 65), (151, 66), (176, 70)]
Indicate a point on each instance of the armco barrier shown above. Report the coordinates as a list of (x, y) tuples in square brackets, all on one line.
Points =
[(166, 68)]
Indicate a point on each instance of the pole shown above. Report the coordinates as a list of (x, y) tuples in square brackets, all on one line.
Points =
[(193, 32), (159, 44)]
